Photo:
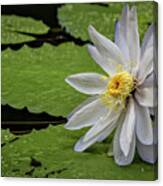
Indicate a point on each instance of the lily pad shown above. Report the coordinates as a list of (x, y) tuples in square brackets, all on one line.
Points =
[(49, 153), (76, 18), (17, 29), (35, 78), (7, 137)]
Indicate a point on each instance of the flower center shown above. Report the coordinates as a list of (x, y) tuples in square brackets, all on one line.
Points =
[(121, 85), (119, 88)]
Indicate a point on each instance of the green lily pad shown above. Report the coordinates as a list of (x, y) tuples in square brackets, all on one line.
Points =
[(15, 29), (35, 78), (77, 17), (7, 136), (49, 153)]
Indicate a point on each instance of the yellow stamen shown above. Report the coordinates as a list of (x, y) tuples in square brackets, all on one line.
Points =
[(119, 88)]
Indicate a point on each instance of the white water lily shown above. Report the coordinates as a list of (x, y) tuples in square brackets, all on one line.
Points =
[(122, 99)]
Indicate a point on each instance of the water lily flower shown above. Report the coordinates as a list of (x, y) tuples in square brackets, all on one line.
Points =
[(123, 99)]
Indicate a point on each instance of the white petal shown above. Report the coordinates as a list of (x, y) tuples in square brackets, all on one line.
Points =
[(129, 36), (147, 50), (100, 60), (107, 48), (84, 103), (144, 96), (124, 23), (105, 126), (88, 83), (147, 153), (119, 156), (148, 39), (146, 64), (87, 115), (128, 126), (133, 40), (144, 128), (120, 40), (151, 84), (149, 81), (101, 138), (102, 124)]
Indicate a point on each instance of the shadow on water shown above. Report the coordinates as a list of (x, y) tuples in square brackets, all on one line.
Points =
[(22, 121)]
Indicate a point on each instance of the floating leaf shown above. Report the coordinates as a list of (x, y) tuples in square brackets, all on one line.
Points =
[(7, 136), (36, 77), (49, 153), (77, 17), (15, 29)]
